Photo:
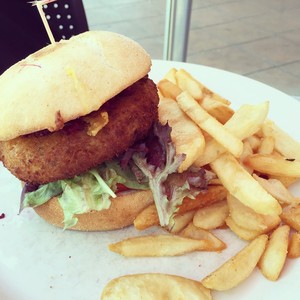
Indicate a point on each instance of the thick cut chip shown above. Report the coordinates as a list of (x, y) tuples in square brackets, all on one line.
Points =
[(213, 194), (291, 216), (181, 221), (245, 217), (266, 145), (274, 165), (246, 121), (171, 75), (237, 268), (294, 245), (273, 259), (277, 190), (168, 89), (243, 186), (242, 232), (147, 218), (154, 286), (210, 241), (212, 216), (209, 124), (186, 135), (198, 91), (156, 245), (284, 143)]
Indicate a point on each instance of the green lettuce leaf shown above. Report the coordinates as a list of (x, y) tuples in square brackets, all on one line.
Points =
[(89, 191)]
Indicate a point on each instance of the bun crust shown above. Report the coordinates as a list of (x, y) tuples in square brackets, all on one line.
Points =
[(122, 212), (87, 70)]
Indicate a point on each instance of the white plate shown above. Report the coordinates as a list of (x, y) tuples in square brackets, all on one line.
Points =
[(38, 260)]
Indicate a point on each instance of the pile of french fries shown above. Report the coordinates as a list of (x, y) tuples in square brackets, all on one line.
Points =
[(255, 162)]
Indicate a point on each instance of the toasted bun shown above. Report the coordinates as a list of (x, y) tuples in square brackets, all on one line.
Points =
[(121, 213), (67, 80)]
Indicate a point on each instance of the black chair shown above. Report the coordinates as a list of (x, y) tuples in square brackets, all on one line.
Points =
[(22, 31), (66, 18)]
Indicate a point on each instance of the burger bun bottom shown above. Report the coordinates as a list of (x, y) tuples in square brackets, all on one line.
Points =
[(122, 212)]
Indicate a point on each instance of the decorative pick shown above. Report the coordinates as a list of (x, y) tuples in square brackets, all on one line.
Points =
[(39, 4)]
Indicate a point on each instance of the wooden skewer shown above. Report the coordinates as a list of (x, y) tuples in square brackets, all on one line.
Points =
[(39, 4)]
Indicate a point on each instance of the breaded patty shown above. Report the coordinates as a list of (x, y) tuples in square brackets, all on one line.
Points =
[(43, 157)]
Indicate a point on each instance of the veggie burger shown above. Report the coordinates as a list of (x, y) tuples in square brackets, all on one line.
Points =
[(79, 128)]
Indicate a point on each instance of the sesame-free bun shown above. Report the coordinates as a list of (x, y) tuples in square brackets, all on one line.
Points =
[(67, 80), (121, 213)]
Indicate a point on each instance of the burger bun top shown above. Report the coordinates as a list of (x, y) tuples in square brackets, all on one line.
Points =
[(67, 80)]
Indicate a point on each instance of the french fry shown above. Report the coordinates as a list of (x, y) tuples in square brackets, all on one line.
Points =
[(154, 286), (294, 246), (284, 143), (291, 216), (168, 89), (238, 268), (212, 216), (246, 152), (254, 142), (273, 259), (242, 232), (187, 83), (146, 218), (267, 145), (181, 221), (171, 75), (285, 180), (277, 190), (244, 123), (210, 241), (213, 194), (243, 186), (198, 91), (186, 135), (222, 112), (206, 122), (273, 165), (156, 246), (247, 218)]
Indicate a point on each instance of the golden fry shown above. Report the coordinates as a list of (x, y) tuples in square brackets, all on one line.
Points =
[(206, 122), (277, 190), (247, 218), (212, 216), (168, 89), (213, 194), (284, 143), (291, 216), (242, 232), (156, 245), (273, 259), (210, 241), (171, 76), (238, 268), (273, 165), (154, 286), (294, 246), (244, 123), (146, 218), (267, 145), (243, 186)]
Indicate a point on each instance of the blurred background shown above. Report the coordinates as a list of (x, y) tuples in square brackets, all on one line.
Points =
[(256, 38)]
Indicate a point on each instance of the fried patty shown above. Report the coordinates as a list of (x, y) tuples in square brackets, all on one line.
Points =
[(45, 156)]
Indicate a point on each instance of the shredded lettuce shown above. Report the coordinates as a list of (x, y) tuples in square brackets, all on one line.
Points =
[(89, 191)]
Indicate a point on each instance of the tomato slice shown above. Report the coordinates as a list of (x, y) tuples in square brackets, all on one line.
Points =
[(122, 188)]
